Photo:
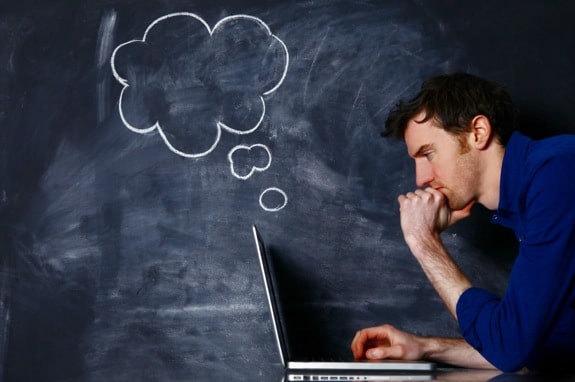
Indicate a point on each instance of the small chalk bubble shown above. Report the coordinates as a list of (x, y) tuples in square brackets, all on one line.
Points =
[(273, 199)]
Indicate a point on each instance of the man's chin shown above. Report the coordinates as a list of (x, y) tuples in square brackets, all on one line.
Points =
[(461, 206)]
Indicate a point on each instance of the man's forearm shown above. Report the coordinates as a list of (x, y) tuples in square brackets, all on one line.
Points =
[(443, 273), (453, 351)]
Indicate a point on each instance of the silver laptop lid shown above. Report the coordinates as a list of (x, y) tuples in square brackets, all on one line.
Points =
[(271, 293)]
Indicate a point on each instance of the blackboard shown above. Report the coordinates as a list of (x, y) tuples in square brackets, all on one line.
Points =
[(139, 140)]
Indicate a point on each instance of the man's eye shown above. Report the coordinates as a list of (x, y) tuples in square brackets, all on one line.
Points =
[(428, 155)]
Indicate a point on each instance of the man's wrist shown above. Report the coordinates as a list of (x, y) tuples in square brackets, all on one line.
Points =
[(436, 349), (424, 246), (429, 346)]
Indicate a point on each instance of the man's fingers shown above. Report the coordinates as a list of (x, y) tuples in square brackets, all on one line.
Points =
[(357, 345), (369, 338), (426, 194), (422, 193), (383, 352), (376, 353)]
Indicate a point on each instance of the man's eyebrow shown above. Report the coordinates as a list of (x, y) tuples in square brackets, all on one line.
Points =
[(422, 150)]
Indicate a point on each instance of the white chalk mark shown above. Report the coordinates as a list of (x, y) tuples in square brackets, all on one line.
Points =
[(128, 125), (313, 64), (263, 25), (355, 101), (285, 68), (392, 100), (274, 190), (219, 125), (241, 132), (233, 308), (103, 50), (105, 37), (189, 155), (204, 309), (119, 78), (253, 168)]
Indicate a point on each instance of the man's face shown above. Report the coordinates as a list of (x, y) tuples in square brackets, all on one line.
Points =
[(443, 161)]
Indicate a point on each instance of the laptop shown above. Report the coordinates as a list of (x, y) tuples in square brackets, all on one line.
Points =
[(384, 370)]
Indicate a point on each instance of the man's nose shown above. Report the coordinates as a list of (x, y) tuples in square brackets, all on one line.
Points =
[(423, 174)]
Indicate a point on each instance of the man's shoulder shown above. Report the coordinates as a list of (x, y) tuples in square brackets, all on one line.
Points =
[(542, 167), (547, 152), (556, 145)]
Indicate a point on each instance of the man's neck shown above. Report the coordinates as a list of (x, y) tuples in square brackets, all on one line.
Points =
[(492, 160)]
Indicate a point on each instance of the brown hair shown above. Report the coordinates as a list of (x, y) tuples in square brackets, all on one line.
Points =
[(453, 101)]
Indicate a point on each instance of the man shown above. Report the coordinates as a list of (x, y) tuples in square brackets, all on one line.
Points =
[(460, 131)]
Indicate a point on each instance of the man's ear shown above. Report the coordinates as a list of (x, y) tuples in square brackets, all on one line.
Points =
[(481, 132)]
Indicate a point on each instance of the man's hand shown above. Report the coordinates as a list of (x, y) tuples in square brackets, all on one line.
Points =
[(386, 342), (425, 214)]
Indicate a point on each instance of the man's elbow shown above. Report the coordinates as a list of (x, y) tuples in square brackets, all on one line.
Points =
[(510, 362), (510, 367)]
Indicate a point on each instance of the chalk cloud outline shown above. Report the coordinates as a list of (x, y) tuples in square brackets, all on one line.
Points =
[(219, 125)]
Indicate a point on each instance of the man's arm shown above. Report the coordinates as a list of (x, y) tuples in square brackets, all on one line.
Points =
[(385, 341), (532, 323), (424, 214)]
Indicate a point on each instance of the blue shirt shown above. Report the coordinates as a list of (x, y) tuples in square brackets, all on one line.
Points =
[(533, 324)]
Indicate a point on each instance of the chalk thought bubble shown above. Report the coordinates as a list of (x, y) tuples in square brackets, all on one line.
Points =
[(273, 199), (246, 160), (189, 82)]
